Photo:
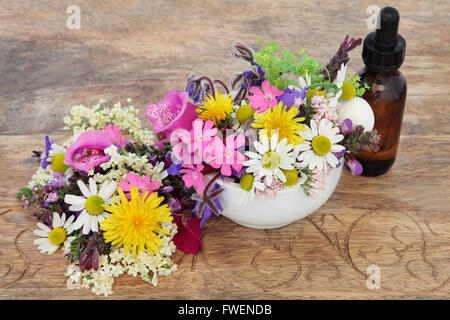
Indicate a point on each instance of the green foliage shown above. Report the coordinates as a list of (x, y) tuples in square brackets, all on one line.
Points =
[(307, 184), (360, 88), (76, 247), (279, 66), (26, 193)]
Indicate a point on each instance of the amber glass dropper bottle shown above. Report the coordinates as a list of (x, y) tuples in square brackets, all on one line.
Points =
[(383, 53)]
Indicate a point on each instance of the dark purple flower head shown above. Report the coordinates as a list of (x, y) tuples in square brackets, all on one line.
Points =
[(205, 88), (254, 78)]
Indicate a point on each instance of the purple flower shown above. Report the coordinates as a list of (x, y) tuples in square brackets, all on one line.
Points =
[(346, 127), (50, 198), (290, 96), (89, 259), (208, 204), (167, 189), (190, 90), (58, 182), (175, 167), (254, 77), (48, 146), (174, 204), (353, 164)]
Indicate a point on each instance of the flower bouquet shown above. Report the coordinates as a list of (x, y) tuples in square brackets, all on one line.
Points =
[(119, 198)]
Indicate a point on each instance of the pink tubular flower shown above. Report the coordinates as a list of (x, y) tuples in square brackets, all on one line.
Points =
[(173, 112), (193, 176), (260, 101), (116, 136), (226, 156), (87, 152), (143, 185)]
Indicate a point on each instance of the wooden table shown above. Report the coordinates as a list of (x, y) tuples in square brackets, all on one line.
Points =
[(142, 49)]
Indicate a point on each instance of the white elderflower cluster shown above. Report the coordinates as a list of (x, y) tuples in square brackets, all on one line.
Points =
[(123, 163), (148, 266), (40, 177), (98, 116)]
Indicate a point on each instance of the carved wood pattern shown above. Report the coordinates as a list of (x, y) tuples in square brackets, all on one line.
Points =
[(399, 222)]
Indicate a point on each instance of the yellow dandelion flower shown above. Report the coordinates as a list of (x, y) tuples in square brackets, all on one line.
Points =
[(283, 120), (136, 223), (216, 108)]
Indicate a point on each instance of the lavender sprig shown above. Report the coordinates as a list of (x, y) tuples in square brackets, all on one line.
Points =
[(340, 57)]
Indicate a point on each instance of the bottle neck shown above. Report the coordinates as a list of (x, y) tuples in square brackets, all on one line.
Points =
[(384, 72)]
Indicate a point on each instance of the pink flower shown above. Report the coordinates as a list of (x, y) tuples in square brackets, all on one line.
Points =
[(173, 112), (260, 101), (193, 177), (201, 136), (190, 146), (143, 185), (87, 152), (115, 135), (323, 110), (226, 156)]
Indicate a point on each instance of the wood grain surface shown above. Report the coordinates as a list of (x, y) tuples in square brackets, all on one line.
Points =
[(142, 49)]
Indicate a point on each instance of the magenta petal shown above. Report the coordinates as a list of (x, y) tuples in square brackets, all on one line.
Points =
[(154, 185), (87, 152), (188, 238), (125, 186), (226, 170), (256, 91), (266, 87), (173, 112)]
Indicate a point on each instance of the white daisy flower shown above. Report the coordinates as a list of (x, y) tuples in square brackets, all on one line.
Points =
[(304, 82), (91, 204), (249, 195), (56, 157), (339, 82), (52, 238), (320, 145), (270, 159), (340, 77)]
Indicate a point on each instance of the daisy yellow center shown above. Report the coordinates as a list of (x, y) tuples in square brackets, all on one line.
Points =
[(58, 164), (136, 223), (291, 177), (321, 145), (57, 236), (271, 160), (94, 205), (246, 181), (244, 113), (348, 90)]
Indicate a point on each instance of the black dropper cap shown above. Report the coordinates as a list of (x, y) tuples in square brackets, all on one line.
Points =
[(384, 49)]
